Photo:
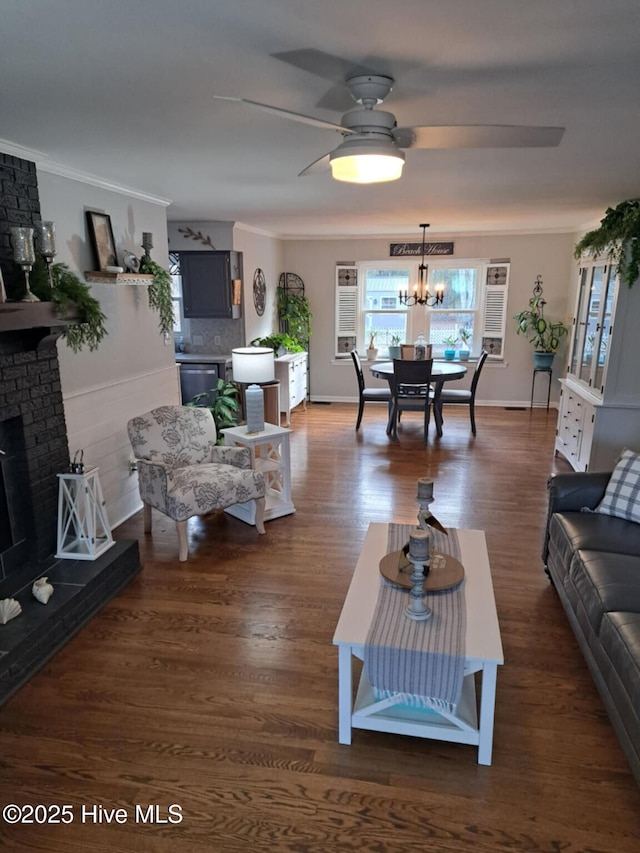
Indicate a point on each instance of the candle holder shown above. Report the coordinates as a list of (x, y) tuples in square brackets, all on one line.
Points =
[(24, 255), (46, 239), (147, 243), (426, 519), (416, 609)]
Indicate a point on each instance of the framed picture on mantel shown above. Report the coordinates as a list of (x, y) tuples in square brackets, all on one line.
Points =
[(101, 235)]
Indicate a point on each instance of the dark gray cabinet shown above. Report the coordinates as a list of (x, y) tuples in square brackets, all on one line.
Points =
[(207, 283)]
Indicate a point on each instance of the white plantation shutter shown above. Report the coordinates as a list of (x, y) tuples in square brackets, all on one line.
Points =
[(495, 309), (346, 309)]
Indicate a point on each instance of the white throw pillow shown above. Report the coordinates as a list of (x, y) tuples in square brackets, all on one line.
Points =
[(622, 497)]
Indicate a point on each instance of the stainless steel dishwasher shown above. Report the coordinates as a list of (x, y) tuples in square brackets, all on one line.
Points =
[(197, 378)]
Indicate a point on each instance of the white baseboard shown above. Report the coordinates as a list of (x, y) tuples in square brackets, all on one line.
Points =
[(499, 404)]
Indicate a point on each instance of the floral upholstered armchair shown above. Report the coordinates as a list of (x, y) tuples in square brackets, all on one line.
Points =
[(181, 471)]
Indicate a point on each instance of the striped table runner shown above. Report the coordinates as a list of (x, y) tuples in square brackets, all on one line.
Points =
[(424, 661)]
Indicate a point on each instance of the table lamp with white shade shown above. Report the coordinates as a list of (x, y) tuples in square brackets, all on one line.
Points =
[(253, 366)]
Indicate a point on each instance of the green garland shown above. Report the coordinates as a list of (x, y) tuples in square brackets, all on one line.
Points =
[(159, 293), (618, 237), (70, 294)]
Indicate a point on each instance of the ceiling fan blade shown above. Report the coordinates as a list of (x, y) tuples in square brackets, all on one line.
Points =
[(317, 167), (289, 114), (324, 64), (478, 136)]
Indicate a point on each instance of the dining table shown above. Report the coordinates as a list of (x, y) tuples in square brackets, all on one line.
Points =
[(441, 372)]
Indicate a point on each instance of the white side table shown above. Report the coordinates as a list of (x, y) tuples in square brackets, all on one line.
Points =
[(83, 528), (270, 454)]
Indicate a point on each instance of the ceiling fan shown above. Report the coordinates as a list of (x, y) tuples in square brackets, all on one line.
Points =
[(372, 149)]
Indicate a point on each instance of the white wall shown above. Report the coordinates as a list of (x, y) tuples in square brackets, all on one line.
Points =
[(508, 383), (133, 370), (259, 251)]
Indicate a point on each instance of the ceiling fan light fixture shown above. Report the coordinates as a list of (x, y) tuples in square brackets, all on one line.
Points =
[(366, 161)]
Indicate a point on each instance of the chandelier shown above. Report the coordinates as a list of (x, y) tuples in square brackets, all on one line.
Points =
[(421, 294)]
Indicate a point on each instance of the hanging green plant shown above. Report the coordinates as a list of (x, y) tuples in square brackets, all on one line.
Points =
[(618, 237), (295, 314), (278, 341), (159, 293), (71, 295)]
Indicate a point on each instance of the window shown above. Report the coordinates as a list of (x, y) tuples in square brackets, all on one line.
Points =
[(385, 317), (475, 300), (180, 325), (459, 310)]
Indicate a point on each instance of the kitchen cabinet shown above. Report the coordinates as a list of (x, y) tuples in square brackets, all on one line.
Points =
[(599, 413), (208, 288), (291, 370)]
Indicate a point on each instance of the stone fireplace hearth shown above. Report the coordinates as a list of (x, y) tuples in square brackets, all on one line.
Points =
[(33, 450)]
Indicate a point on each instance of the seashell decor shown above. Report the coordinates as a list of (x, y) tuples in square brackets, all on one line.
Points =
[(42, 590), (9, 609)]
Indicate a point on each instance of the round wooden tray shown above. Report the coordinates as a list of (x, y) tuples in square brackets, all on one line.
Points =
[(446, 572)]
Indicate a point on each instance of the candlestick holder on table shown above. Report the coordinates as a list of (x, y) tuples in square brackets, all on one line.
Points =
[(424, 498), (24, 255), (147, 243), (416, 609)]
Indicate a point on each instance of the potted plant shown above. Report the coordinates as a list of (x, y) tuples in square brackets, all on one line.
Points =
[(465, 336), (450, 344), (372, 350), (295, 315), (544, 334), (618, 237), (280, 343), (223, 405), (395, 351)]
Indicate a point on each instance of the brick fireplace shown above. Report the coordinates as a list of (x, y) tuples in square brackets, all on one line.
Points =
[(33, 442), (33, 450)]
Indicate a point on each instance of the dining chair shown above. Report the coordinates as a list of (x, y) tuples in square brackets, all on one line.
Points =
[(410, 391), (407, 351), (465, 397), (368, 395)]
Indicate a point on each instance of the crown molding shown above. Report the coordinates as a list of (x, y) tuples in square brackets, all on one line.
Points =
[(44, 164)]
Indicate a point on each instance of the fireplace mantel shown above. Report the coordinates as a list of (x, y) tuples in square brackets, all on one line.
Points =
[(31, 315)]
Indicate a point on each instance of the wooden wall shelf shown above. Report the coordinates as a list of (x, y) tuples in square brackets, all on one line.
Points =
[(117, 278)]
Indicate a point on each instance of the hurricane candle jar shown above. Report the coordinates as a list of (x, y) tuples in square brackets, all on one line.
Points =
[(46, 239), (420, 348), (24, 255)]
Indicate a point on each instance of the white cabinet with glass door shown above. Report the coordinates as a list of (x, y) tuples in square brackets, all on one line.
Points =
[(602, 377)]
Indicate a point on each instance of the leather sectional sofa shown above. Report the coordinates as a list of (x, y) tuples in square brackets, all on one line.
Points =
[(593, 561)]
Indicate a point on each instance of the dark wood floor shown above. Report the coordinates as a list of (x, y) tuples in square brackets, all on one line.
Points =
[(212, 684)]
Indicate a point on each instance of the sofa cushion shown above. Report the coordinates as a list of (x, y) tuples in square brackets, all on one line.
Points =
[(620, 637), (590, 531), (604, 583), (622, 496)]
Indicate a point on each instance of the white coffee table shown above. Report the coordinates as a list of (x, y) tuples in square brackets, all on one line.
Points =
[(483, 654)]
